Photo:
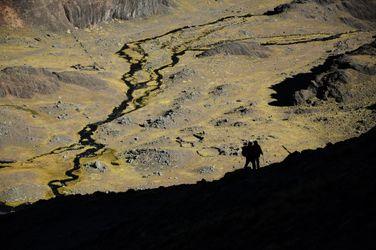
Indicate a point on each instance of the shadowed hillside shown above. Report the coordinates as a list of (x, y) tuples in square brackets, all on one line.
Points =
[(317, 199)]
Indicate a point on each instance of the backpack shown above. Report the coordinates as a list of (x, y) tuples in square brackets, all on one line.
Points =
[(245, 150)]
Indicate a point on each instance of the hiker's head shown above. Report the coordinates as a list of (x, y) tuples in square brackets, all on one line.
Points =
[(256, 143)]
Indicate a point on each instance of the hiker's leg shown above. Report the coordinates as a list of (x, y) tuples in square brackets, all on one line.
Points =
[(253, 164), (246, 162), (258, 162)]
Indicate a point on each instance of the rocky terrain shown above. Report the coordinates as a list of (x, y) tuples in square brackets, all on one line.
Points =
[(68, 14), (338, 78), (121, 94), (316, 199)]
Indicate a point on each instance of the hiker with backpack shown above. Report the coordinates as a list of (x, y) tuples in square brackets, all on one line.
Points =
[(252, 152), (246, 152)]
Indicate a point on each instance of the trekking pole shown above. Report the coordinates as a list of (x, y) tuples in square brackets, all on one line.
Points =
[(288, 151)]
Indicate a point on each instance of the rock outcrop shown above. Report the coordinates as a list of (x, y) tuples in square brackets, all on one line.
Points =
[(335, 82), (362, 9), (66, 14), (360, 14), (332, 80)]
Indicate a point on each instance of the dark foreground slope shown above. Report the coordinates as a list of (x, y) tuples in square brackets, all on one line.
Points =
[(317, 199)]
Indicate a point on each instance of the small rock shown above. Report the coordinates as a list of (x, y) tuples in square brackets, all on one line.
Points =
[(158, 173), (239, 124), (206, 170), (124, 120), (97, 165), (221, 122)]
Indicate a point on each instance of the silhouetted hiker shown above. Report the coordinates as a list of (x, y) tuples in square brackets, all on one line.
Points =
[(255, 154), (246, 152)]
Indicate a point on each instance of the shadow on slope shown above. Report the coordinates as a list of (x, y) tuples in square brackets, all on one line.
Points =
[(317, 199)]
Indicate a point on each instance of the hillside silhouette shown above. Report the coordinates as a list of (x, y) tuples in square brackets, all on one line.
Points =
[(316, 199)]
